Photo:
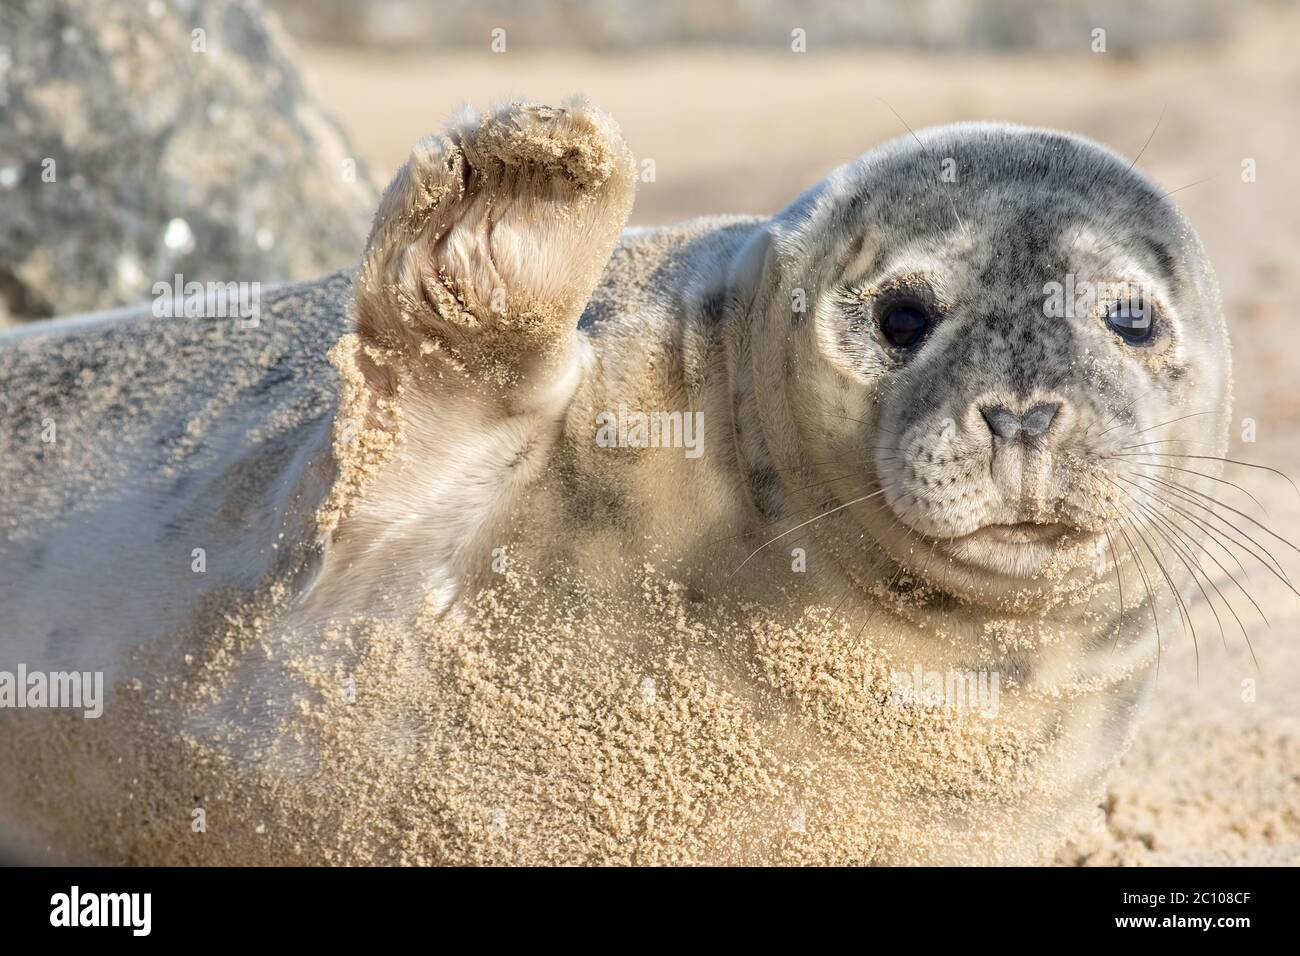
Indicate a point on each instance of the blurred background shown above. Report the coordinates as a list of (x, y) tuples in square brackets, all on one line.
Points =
[(231, 140)]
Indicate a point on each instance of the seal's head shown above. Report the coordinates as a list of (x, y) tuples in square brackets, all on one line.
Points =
[(986, 327)]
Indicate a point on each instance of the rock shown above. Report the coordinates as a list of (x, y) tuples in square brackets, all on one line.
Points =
[(142, 140)]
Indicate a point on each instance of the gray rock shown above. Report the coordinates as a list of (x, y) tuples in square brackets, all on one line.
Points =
[(144, 139)]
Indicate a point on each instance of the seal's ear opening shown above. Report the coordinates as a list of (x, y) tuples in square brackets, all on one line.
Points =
[(494, 234)]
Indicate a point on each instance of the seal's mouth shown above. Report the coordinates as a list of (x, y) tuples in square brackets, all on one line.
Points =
[(1022, 532), (1017, 550)]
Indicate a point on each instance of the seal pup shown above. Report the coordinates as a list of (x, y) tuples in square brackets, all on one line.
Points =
[(472, 593)]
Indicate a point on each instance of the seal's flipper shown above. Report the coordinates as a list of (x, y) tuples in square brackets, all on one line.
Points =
[(490, 239)]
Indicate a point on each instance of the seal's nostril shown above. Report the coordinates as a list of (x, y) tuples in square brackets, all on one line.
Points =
[(1031, 426), (1002, 421), (1038, 419)]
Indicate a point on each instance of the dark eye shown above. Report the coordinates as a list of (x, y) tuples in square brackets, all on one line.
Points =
[(904, 324), (1131, 320)]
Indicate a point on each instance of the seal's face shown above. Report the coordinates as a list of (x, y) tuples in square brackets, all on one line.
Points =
[(1004, 379), (1015, 336)]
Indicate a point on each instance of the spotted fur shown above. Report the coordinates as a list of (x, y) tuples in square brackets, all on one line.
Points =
[(817, 433)]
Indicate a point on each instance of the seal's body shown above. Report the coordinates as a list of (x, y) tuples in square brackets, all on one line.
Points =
[(866, 442)]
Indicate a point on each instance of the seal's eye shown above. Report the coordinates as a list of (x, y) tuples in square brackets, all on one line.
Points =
[(1131, 320), (904, 324)]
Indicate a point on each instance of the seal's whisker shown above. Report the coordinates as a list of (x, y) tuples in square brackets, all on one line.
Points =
[(1277, 572), (808, 522), (1151, 428), (1228, 461), (1117, 414), (833, 461), (849, 460), (1185, 617), (1215, 501), (880, 562), (1152, 135), (1190, 549), (1159, 119), (1212, 534), (1159, 198), (1274, 567), (859, 421), (1216, 537), (850, 587), (1119, 585), (1168, 532), (1198, 473), (762, 527), (824, 481), (794, 513), (951, 202), (1195, 577), (1166, 441), (1146, 583), (804, 535), (1195, 548), (1228, 604)]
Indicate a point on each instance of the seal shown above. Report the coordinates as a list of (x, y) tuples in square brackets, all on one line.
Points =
[(853, 534)]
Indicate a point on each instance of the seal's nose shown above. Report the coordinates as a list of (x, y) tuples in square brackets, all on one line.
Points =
[(1007, 426)]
